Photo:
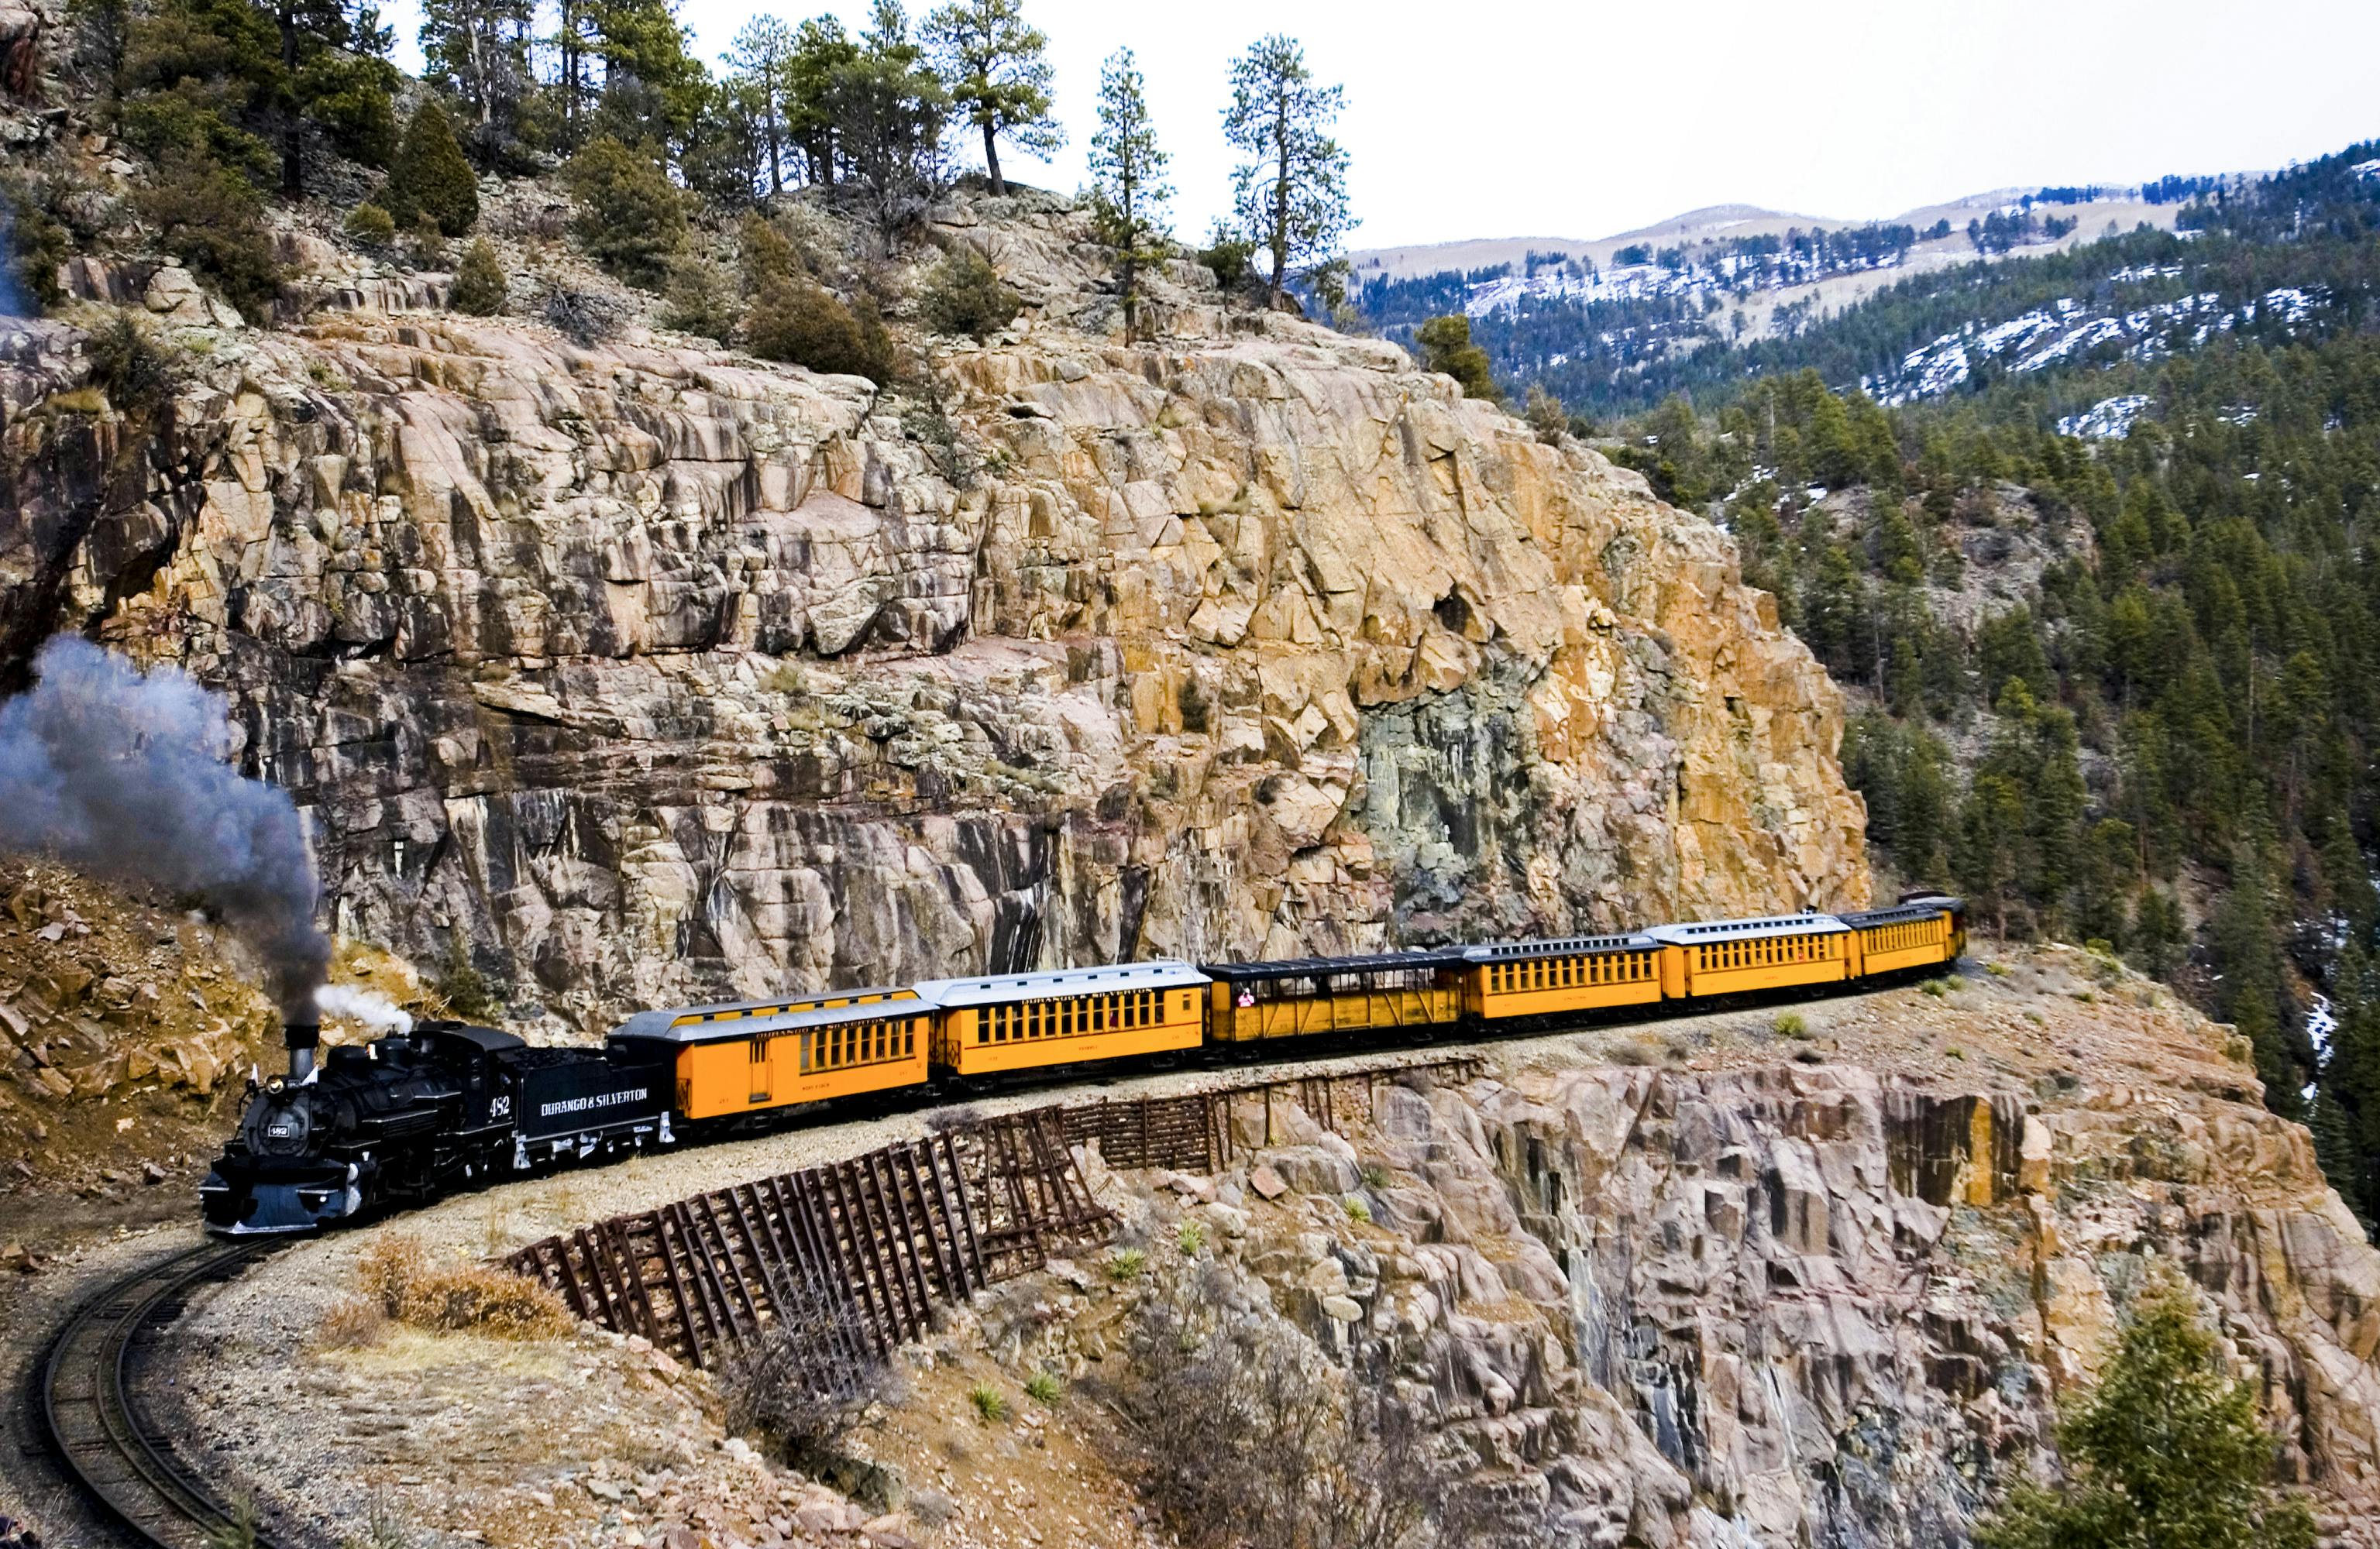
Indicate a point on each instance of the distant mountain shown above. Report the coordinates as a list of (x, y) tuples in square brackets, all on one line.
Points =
[(1608, 323)]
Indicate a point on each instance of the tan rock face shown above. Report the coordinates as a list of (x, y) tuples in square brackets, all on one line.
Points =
[(648, 673)]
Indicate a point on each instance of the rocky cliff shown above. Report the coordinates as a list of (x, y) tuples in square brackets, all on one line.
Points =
[(641, 671)]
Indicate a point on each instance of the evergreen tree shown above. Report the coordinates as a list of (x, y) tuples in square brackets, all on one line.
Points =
[(997, 68), (653, 90), (822, 51), (430, 178), (889, 114), (477, 53), (762, 57), (1128, 187), (631, 220), (2164, 1452), (334, 74), (1446, 347), (480, 283), (1291, 196)]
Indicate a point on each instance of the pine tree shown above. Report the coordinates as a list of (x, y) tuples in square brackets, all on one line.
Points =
[(430, 177), (762, 56), (890, 113), (1128, 187), (1291, 196), (822, 51), (336, 75), (631, 219), (2164, 1452), (477, 53), (997, 68), (1446, 347), (480, 284)]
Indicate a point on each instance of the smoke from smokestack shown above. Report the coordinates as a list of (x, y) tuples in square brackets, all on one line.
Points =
[(122, 774), (375, 1011)]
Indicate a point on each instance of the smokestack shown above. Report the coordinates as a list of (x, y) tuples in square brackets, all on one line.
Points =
[(122, 774), (301, 1038)]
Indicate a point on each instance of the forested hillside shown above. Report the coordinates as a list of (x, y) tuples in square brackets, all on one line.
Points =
[(2284, 257), (2121, 684)]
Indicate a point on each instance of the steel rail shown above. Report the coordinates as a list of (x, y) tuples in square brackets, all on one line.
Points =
[(95, 1425)]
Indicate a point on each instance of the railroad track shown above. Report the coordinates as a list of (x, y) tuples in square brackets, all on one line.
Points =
[(92, 1419)]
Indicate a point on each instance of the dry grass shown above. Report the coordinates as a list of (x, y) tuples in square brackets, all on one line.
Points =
[(398, 1280), (352, 1324)]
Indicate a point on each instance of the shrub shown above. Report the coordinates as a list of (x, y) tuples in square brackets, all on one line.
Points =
[(2166, 1452), (1789, 1024), (397, 1276), (1043, 1387), (631, 218), (211, 220), (586, 320), (430, 178), (1545, 415), (351, 1324), (1228, 257), (991, 1404), (1249, 1439), (763, 255), (465, 989), (698, 299), (1191, 1238), (370, 225), (426, 244), (35, 246), (1375, 1176), (965, 296), (798, 321), (1446, 347), (480, 282), (1125, 1264), (1357, 1207), (126, 365), (1939, 988)]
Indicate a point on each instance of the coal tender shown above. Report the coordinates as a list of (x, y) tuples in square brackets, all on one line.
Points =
[(407, 1117)]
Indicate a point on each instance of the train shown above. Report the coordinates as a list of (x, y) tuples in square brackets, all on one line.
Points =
[(446, 1106)]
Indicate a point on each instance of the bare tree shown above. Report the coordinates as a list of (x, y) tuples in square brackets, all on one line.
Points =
[(1250, 1437), (811, 1376)]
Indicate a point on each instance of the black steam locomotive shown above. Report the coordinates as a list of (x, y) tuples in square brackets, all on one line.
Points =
[(406, 1118)]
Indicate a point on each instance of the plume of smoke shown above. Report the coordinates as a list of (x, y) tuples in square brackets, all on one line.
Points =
[(122, 774), (374, 1010)]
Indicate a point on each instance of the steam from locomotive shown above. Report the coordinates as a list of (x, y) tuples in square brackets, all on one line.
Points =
[(122, 773)]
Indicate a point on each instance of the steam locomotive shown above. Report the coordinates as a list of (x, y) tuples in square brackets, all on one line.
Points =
[(446, 1106)]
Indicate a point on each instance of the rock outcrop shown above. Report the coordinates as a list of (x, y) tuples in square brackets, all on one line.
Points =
[(643, 672), (1736, 1300)]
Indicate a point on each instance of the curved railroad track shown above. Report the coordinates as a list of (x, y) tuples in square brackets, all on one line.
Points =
[(91, 1416)]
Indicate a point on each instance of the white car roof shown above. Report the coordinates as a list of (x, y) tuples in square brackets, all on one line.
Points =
[(1740, 930), (742, 1019), (991, 989)]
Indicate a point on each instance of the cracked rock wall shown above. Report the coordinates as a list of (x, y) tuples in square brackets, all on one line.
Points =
[(646, 672)]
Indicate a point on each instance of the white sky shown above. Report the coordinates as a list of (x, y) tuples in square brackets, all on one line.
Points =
[(1494, 119)]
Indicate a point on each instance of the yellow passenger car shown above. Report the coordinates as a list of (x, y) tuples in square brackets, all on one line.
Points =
[(746, 1058), (1303, 997), (1731, 957), (1918, 934), (1011, 1022), (1548, 978)]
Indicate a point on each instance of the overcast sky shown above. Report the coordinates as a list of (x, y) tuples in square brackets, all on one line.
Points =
[(1476, 118)]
